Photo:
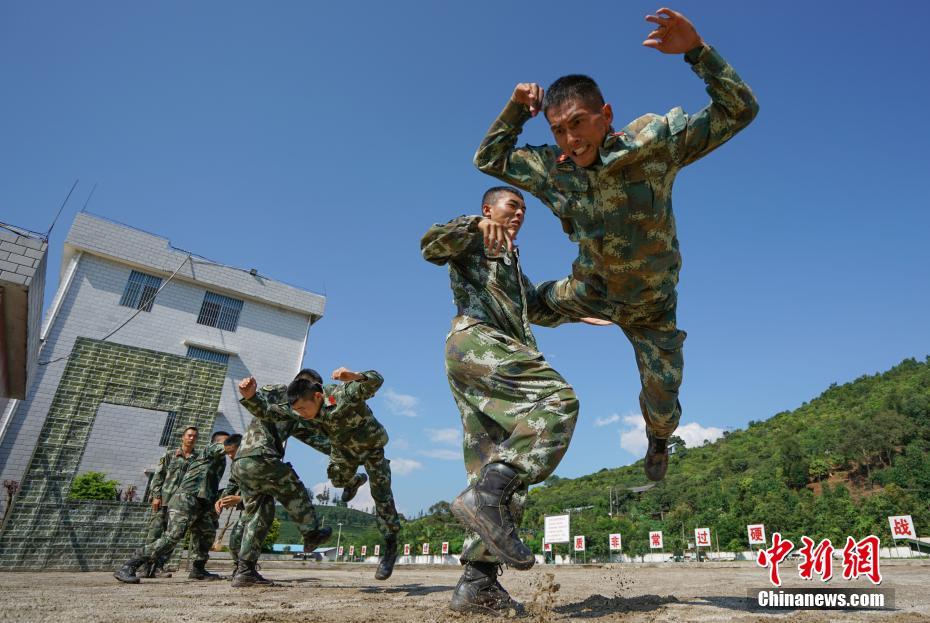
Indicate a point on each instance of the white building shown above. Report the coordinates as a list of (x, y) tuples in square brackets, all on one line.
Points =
[(255, 325)]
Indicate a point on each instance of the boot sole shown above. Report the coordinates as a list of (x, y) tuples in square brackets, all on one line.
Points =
[(462, 512), (127, 581), (380, 576), (308, 548), (479, 609), (345, 499), (246, 584)]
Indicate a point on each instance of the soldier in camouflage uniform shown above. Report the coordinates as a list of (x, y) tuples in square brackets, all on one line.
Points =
[(263, 476), (612, 193), (518, 413), (191, 507), (171, 468), (357, 439)]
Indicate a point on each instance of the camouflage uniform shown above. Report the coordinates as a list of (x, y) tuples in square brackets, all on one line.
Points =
[(171, 468), (235, 534), (262, 474), (619, 211), (515, 408), (359, 439), (191, 507)]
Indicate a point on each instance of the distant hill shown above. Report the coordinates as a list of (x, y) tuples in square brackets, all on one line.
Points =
[(836, 466), (358, 528)]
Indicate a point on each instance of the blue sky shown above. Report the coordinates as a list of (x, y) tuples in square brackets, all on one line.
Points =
[(317, 142)]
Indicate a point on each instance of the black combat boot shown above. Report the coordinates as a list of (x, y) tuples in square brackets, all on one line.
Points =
[(313, 540), (349, 492), (247, 575), (479, 592), (386, 566), (656, 458), (157, 570), (483, 507), (127, 573), (148, 570), (199, 571)]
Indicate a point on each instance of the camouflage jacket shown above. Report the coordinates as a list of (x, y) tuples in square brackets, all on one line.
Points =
[(273, 422), (486, 288), (619, 210), (204, 472), (346, 418), (171, 468)]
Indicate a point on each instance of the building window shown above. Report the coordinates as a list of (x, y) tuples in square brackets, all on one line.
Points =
[(140, 291), (220, 311), (166, 431), (207, 355)]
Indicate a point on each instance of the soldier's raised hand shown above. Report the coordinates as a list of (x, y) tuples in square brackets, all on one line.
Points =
[(345, 375), (529, 94), (247, 387), (674, 33), (496, 236)]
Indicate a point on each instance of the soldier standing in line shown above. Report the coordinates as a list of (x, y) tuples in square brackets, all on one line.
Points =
[(263, 477), (612, 192), (357, 439), (171, 468), (191, 507), (518, 413)]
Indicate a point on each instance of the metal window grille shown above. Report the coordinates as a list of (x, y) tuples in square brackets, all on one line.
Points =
[(140, 291), (207, 355), (166, 431), (220, 311)]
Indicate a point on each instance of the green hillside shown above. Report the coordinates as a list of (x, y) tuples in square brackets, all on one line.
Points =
[(836, 466), (358, 528)]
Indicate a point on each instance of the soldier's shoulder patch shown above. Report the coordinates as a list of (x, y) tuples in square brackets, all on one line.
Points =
[(331, 400), (677, 120), (562, 158)]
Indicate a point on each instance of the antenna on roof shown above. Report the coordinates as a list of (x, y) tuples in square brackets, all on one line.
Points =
[(63, 203), (84, 209)]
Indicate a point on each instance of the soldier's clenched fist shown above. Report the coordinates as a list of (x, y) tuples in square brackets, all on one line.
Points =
[(247, 387), (529, 94)]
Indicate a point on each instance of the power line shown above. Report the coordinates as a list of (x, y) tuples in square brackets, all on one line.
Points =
[(128, 320), (63, 203)]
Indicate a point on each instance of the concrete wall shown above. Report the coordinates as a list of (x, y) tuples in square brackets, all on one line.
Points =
[(45, 530)]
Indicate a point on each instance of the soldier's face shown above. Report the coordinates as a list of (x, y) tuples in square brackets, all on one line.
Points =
[(579, 129), (308, 409), (189, 438), (508, 210)]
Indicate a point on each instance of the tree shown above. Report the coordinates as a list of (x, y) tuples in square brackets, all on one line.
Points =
[(272, 537), (93, 486)]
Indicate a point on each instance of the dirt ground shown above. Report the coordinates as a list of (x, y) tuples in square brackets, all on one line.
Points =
[(349, 593)]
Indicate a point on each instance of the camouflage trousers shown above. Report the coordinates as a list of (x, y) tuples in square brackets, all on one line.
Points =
[(185, 512), (515, 409), (656, 340), (235, 538), (262, 480), (158, 524), (344, 463)]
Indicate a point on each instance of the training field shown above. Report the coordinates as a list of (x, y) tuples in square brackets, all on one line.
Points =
[(338, 593)]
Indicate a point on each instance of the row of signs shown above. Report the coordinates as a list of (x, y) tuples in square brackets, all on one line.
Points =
[(364, 549), (556, 531)]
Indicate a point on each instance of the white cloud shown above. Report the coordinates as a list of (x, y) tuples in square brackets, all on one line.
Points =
[(452, 436), (633, 436), (399, 443), (362, 500), (694, 434), (402, 467), (605, 421), (401, 404), (443, 454)]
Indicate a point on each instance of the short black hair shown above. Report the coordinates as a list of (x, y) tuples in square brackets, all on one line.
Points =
[(310, 374), (573, 87), (217, 434), (302, 388), (491, 194), (233, 440), (193, 428)]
